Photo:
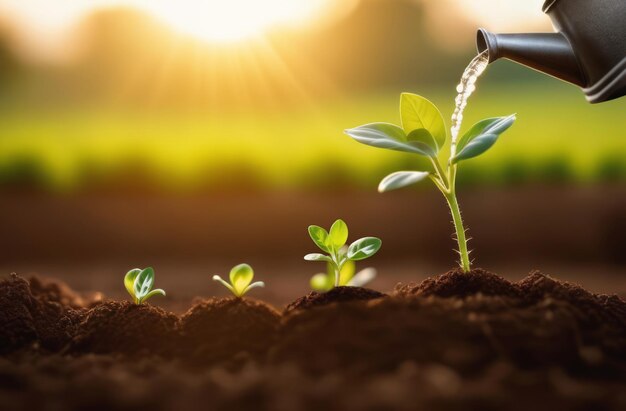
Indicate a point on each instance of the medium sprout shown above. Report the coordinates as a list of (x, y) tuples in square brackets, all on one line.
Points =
[(240, 280), (333, 242), (139, 284)]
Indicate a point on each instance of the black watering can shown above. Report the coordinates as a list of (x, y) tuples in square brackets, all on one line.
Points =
[(589, 48)]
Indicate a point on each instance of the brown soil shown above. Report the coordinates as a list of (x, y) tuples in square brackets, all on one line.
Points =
[(466, 322), (228, 331), (336, 295), (456, 341), (125, 328), (35, 316)]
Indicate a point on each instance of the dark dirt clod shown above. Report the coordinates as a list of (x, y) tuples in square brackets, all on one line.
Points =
[(31, 318), (126, 328), (335, 295), (17, 326), (228, 331), (458, 284)]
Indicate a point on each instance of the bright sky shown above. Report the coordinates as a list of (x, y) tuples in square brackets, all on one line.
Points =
[(44, 26)]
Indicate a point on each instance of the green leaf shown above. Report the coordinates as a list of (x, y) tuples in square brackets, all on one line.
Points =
[(364, 248), (143, 283), (317, 257), (389, 136), (481, 136), (152, 293), (338, 235), (418, 112), (321, 282), (476, 147), (257, 284), (319, 237), (401, 179), (423, 136), (240, 278), (129, 282)]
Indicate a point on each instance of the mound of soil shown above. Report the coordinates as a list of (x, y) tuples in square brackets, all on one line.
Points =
[(126, 328), (228, 331), (34, 315), (335, 295), (458, 284), (466, 322), (455, 341)]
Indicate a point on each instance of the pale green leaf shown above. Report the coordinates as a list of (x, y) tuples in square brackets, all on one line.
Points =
[(423, 136), (317, 257), (319, 237), (257, 284), (401, 179), (418, 112), (338, 235), (152, 293), (364, 248), (143, 283), (481, 136), (476, 147), (240, 278), (129, 281), (389, 136)]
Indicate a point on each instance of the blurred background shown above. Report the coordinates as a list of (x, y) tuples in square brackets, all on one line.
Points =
[(195, 135)]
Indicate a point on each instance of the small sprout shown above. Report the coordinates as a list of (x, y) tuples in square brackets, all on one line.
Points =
[(240, 280), (423, 132), (323, 282), (333, 243), (139, 283)]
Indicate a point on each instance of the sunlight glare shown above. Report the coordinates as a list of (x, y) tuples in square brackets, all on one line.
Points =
[(231, 20)]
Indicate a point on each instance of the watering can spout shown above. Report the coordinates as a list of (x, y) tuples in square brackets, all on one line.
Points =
[(588, 47), (549, 53)]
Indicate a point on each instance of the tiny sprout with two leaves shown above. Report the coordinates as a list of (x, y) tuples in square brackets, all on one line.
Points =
[(240, 280), (139, 283), (348, 276), (423, 132), (333, 242)]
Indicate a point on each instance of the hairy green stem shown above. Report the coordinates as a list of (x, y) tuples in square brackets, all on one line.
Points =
[(447, 184), (460, 231)]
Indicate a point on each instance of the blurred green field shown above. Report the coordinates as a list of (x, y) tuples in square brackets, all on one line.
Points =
[(558, 137)]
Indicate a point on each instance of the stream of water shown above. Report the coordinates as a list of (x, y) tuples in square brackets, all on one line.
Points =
[(465, 89)]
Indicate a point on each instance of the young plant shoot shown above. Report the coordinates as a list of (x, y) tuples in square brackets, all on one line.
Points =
[(240, 280), (348, 276), (333, 243), (139, 283), (423, 132)]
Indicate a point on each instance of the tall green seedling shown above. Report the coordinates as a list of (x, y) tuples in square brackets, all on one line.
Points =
[(423, 132)]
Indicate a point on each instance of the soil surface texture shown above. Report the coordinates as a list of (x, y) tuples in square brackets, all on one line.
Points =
[(453, 342)]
